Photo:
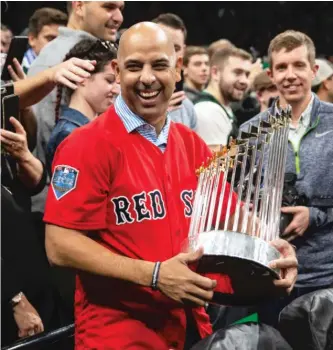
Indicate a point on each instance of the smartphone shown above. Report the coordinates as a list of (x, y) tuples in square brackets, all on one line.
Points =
[(180, 84), (10, 107), (17, 48)]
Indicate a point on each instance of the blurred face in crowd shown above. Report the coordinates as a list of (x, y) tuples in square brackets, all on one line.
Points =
[(329, 86), (101, 18), (6, 38), (326, 90), (233, 78), (266, 94), (293, 73), (47, 34), (100, 90), (197, 70), (147, 71), (177, 38)]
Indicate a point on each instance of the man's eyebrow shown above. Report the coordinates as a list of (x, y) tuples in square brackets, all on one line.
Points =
[(132, 61), (161, 60)]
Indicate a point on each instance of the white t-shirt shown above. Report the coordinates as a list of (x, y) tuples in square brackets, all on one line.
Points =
[(213, 123)]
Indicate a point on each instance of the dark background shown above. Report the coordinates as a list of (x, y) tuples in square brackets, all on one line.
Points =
[(246, 24)]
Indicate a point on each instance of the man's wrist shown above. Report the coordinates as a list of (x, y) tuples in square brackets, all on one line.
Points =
[(26, 158), (16, 300), (145, 273)]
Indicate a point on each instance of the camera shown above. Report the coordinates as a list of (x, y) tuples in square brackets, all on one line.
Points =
[(290, 198)]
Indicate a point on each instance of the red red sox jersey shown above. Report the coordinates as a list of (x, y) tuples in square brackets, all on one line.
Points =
[(137, 202)]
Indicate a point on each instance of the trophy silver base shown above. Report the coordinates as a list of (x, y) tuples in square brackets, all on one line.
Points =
[(245, 260)]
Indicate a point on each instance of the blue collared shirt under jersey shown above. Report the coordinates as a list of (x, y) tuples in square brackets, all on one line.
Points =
[(133, 122)]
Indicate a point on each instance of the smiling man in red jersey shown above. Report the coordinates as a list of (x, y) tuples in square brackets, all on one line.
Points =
[(119, 211)]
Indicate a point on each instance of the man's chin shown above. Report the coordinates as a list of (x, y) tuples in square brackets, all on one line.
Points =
[(150, 113), (292, 98)]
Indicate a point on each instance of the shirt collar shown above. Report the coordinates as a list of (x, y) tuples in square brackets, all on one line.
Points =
[(74, 116), (305, 117), (131, 120), (31, 53)]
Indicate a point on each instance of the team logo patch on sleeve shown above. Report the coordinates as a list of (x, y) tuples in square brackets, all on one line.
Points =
[(64, 180)]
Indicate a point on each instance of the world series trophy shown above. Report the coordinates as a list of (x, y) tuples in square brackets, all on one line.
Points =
[(254, 165)]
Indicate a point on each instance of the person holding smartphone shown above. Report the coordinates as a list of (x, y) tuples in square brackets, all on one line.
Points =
[(27, 303)]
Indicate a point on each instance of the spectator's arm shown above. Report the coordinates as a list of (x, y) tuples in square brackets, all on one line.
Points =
[(69, 73), (30, 169), (31, 172)]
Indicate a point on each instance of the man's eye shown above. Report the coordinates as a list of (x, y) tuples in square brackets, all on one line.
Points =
[(160, 66), (133, 68)]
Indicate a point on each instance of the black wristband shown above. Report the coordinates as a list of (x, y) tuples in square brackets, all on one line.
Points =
[(156, 271)]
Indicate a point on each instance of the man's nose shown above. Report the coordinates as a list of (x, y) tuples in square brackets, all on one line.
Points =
[(117, 17), (115, 89), (147, 76), (290, 73), (244, 80)]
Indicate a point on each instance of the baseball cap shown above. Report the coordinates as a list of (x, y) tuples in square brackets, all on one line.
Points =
[(262, 81), (324, 72)]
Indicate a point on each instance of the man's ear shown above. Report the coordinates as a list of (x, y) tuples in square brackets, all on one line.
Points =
[(32, 40), (215, 73), (259, 96), (315, 70), (269, 73), (179, 66), (115, 68), (77, 7)]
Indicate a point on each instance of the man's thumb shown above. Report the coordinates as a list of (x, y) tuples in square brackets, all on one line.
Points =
[(194, 256)]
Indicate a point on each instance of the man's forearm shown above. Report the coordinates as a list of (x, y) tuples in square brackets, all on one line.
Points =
[(33, 89), (30, 171), (71, 248)]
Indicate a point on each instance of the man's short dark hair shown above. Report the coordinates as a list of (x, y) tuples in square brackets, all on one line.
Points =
[(171, 20), (46, 16), (191, 51)]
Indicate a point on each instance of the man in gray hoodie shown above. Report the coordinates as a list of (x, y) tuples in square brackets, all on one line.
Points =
[(310, 157), (87, 19)]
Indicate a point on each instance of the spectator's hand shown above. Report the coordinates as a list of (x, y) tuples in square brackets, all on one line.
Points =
[(176, 99), (287, 263), (27, 319), (17, 72), (299, 223), (255, 70), (72, 72), (15, 143), (181, 284)]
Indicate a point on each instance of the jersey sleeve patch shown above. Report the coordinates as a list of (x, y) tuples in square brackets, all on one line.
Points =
[(64, 180)]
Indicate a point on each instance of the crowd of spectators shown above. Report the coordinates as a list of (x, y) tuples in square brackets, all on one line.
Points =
[(67, 79)]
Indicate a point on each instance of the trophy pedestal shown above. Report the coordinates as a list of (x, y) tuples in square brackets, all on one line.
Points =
[(245, 260)]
